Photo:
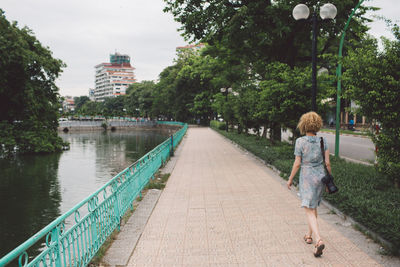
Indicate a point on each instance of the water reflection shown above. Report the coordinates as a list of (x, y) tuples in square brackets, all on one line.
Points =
[(36, 189), (96, 157), (29, 197)]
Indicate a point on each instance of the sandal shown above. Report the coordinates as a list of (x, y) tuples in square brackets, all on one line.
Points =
[(308, 239), (319, 248)]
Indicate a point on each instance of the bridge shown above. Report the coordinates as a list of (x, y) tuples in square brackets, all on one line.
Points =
[(221, 207)]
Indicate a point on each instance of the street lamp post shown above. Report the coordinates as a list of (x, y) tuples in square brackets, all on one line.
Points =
[(302, 12), (226, 91)]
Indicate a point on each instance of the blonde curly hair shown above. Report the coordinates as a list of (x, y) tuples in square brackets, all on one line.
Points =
[(309, 122)]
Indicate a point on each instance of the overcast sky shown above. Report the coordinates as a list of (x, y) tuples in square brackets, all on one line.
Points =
[(83, 33)]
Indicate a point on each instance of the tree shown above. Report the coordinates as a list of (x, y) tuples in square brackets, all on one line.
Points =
[(164, 93), (179, 84), (113, 106), (202, 107), (139, 99), (284, 96), (260, 31), (28, 94), (80, 101), (92, 108), (372, 81)]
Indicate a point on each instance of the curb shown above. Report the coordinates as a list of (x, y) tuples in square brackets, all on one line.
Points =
[(354, 160), (122, 248), (364, 230)]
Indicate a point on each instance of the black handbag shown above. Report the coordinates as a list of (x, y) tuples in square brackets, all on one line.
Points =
[(328, 178)]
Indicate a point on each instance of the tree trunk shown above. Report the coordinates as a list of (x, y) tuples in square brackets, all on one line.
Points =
[(295, 135), (264, 133), (276, 132)]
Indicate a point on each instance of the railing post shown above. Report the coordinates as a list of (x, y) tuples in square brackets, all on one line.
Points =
[(92, 209), (171, 153), (116, 204), (56, 239)]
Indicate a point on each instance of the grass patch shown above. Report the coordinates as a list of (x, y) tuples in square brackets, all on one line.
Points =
[(103, 249), (97, 259), (364, 194), (158, 182)]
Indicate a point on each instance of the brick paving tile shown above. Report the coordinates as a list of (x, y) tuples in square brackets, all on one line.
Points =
[(221, 207)]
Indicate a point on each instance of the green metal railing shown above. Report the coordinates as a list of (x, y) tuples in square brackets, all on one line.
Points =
[(72, 239)]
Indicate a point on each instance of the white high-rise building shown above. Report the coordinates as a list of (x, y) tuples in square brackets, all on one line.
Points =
[(112, 79)]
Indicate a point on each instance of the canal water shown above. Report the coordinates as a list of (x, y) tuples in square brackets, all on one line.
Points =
[(36, 189)]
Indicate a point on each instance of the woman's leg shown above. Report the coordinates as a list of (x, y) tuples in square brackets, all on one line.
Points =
[(310, 231), (312, 222)]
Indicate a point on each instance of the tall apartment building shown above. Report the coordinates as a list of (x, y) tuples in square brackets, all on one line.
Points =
[(112, 79)]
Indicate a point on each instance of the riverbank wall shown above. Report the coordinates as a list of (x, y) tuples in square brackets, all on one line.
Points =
[(84, 126)]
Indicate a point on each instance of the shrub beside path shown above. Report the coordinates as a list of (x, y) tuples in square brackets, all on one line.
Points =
[(221, 207)]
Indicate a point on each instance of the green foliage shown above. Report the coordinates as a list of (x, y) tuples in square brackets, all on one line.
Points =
[(7, 137), (113, 106), (139, 99), (92, 108), (218, 125), (28, 94), (28, 139), (364, 194), (202, 107), (285, 94), (80, 101), (372, 78), (368, 197), (260, 31), (185, 89), (110, 107)]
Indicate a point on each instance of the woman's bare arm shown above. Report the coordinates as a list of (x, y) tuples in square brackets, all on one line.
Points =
[(327, 161), (295, 168)]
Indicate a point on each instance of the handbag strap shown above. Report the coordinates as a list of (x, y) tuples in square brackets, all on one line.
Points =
[(323, 155)]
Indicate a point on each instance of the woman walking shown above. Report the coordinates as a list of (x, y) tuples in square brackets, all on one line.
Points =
[(308, 156)]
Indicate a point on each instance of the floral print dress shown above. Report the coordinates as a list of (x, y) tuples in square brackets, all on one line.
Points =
[(312, 170)]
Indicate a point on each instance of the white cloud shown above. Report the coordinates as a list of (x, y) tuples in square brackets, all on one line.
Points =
[(389, 9), (83, 33)]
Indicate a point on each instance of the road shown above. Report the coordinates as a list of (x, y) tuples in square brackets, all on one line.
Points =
[(350, 146)]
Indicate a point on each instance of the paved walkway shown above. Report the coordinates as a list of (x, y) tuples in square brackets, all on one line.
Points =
[(222, 208)]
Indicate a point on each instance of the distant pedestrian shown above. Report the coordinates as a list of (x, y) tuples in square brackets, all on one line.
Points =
[(351, 124), (331, 123), (308, 156)]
